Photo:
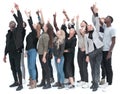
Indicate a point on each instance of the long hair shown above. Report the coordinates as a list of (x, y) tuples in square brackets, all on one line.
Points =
[(50, 33), (38, 29), (60, 39)]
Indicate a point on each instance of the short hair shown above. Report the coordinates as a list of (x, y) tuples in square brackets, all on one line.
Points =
[(12, 24), (110, 18)]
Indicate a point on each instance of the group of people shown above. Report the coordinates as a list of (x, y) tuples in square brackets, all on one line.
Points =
[(95, 46)]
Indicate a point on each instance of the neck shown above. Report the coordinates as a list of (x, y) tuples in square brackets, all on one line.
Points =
[(108, 25)]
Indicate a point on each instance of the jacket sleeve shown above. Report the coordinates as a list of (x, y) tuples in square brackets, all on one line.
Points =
[(86, 45), (77, 29), (55, 23), (20, 19), (16, 18), (30, 23)]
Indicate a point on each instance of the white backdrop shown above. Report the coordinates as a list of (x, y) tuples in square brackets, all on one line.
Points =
[(73, 8)]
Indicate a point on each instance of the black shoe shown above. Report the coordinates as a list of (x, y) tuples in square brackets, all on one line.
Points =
[(94, 89), (14, 84), (92, 86), (56, 84), (19, 87), (46, 86), (78, 81), (61, 86), (40, 85)]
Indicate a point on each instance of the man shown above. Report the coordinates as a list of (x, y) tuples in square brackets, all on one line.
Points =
[(14, 49), (109, 42)]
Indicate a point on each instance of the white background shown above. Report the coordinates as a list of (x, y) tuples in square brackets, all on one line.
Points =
[(73, 8)]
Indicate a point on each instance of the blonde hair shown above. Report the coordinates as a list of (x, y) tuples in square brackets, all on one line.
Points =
[(60, 39)]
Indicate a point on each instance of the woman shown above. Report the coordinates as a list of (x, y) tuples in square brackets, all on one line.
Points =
[(58, 50), (31, 43), (81, 56), (94, 46), (43, 45)]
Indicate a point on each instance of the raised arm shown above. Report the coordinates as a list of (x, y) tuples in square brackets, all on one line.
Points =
[(18, 18), (42, 17), (77, 26), (28, 14), (65, 13), (55, 22)]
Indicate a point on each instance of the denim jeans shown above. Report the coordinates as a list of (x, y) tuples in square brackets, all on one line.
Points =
[(95, 62), (31, 63), (59, 67)]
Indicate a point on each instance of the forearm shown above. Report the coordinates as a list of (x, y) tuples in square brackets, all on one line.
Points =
[(112, 44), (55, 23)]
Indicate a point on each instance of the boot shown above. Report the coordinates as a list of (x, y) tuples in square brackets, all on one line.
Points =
[(41, 84), (95, 87), (30, 80), (33, 84)]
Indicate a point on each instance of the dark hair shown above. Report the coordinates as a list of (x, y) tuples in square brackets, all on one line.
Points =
[(86, 25), (12, 24), (110, 18), (50, 33)]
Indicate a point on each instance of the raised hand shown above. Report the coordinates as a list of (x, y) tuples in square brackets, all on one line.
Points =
[(16, 6), (12, 11)]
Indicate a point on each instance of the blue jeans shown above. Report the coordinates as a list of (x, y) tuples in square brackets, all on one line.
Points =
[(32, 53), (59, 67)]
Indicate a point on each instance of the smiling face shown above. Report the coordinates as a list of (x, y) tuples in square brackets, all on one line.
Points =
[(90, 28)]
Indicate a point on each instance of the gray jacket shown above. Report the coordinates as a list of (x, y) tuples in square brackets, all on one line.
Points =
[(89, 43)]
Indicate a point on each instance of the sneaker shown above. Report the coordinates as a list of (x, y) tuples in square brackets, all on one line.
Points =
[(71, 86), (19, 88), (104, 85), (14, 84), (102, 81), (61, 86), (82, 83), (66, 80), (86, 85)]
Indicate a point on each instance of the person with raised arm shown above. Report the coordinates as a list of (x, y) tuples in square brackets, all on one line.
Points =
[(93, 46), (81, 56), (14, 43), (69, 53), (22, 53), (31, 49)]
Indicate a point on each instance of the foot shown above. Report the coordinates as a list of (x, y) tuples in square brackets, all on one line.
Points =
[(41, 84), (46, 86), (14, 84), (94, 89), (56, 84), (61, 86), (102, 82), (71, 86), (19, 88)]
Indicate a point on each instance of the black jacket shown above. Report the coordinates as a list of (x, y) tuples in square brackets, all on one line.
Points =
[(15, 36)]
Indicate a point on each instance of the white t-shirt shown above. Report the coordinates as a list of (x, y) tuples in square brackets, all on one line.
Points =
[(109, 32)]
